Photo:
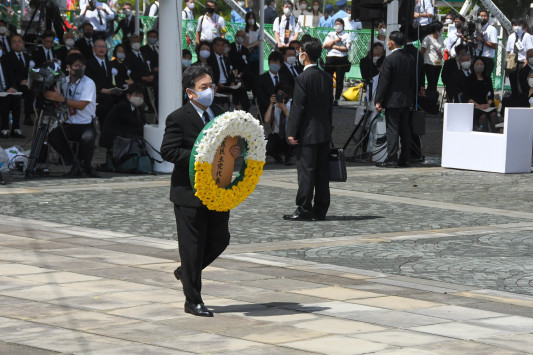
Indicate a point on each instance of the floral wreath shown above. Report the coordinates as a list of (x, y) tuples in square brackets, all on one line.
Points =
[(230, 124)]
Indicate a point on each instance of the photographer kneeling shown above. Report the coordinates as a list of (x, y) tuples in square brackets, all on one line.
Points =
[(277, 115), (80, 98)]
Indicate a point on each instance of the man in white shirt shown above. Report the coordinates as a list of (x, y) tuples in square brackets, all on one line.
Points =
[(187, 14), (423, 16), (286, 27), (210, 25), (487, 42), (97, 16), (154, 9), (520, 41), (79, 96)]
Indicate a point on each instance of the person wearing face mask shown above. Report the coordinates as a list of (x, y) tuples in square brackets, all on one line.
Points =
[(186, 13), (270, 12), (449, 70), (300, 10), (186, 59), (235, 16), (423, 15), (78, 94), (326, 20), (139, 65), (459, 79), (266, 82), (487, 42), (4, 38), (455, 37), (224, 76), (338, 44), (381, 34), (367, 64), (124, 119), (277, 116), (309, 131), (120, 74), (150, 50), (85, 43), (97, 17), (210, 25), (518, 43), (479, 91), (433, 50), (239, 56), (203, 52), (289, 70), (286, 27), (252, 41), (316, 14), (203, 233), (127, 23), (45, 52), (61, 52)]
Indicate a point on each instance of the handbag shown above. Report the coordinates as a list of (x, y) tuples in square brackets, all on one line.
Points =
[(353, 93), (337, 165)]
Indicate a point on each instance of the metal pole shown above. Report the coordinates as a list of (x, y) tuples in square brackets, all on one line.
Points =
[(170, 88), (22, 8), (137, 17), (392, 18), (262, 43)]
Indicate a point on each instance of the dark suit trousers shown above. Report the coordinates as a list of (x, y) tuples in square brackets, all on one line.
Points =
[(105, 105), (202, 236), (432, 74), (277, 145), (398, 127), (313, 176), (85, 134), (4, 114), (14, 106)]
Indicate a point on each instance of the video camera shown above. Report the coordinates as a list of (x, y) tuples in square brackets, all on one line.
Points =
[(472, 29), (45, 78)]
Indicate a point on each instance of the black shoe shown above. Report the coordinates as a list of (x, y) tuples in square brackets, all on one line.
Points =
[(278, 159), (319, 217), (335, 103), (197, 309), (288, 161), (74, 172), (177, 273), (298, 216), (17, 133), (91, 172), (387, 164)]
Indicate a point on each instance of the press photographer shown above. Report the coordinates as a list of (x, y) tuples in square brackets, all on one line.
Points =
[(277, 115), (79, 95)]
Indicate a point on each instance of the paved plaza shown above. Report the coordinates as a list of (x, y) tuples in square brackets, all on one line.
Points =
[(422, 260)]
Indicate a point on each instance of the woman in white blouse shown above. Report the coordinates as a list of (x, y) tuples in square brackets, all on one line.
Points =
[(252, 41), (433, 51), (337, 44)]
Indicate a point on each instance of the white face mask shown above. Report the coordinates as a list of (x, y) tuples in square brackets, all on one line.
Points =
[(287, 11), (69, 42), (121, 56), (382, 32), (303, 6), (339, 28), (530, 82), (316, 7), (136, 101), (190, 5), (251, 21), (375, 59), (517, 29), (291, 60), (205, 97), (241, 3), (448, 21), (136, 46), (205, 54), (3, 30), (300, 59), (466, 65)]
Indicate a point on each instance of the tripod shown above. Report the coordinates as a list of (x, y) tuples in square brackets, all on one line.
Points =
[(49, 13), (46, 117)]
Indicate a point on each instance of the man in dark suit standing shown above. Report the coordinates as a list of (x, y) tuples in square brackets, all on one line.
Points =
[(202, 234), (270, 11), (239, 55), (266, 82), (85, 44), (5, 103), (289, 70), (395, 94), (135, 61), (127, 23), (309, 129)]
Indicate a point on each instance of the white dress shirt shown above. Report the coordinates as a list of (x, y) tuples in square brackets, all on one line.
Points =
[(201, 112), (525, 39), (209, 28), (93, 17), (294, 27), (490, 33), (82, 90), (345, 41), (424, 7)]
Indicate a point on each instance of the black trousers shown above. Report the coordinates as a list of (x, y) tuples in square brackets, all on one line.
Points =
[(339, 66), (432, 75), (13, 104), (489, 65), (84, 134), (277, 145), (202, 236), (105, 105), (5, 103), (398, 127), (313, 177)]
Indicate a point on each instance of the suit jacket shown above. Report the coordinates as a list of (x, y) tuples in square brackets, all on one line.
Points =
[(213, 63), (270, 15), (236, 57), (128, 28), (138, 67), (61, 54), (122, 75), (7, 76), (396, 81), (151, 55), (39, 57), (121, 121), (264, 88), (368, 68), (182, 128), (310, 118), (102, 79), (286, 75), (17, 71), (414, 52), (457, 85), (84, 47), (449, 69)]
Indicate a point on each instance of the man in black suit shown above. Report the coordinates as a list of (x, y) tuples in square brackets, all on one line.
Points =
[(460, 77), (202, 234), (289, 70), (266, 82), (150, 50), (99, 70), (5, 104), (395, 94), (309, 129), (17, 62), (85, 44), (5, 40), (239, 54), (127, 23), (270, 12), (45, 52), (223, 75), (449, 70), (135, 61)]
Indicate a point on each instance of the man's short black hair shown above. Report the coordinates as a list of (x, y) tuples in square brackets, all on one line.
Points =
[(186, 52), (461, 18), (313, 48), (218, 39), (128, 4), (152, 31), (459, 48), (398, 38), (341, 21), (435, 26), (135, 88), (193, 73), (85, 24), (377, 44), (285, 49), (75, 57), (211, 2), (483, 10), (275, 56), (269, 2), (289, 3), (48, 34)]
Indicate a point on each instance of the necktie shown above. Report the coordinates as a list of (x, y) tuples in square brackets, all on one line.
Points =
[(294, 73), (140, 56), (287, 31), (22, 59), (276, 80), (155, 48), (206, 117), (103, 67), (223, 68), (48, 56), (2, 80)]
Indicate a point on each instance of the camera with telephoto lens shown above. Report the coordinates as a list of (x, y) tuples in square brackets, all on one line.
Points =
[(91, 5), (47, 78), (280, 98), (471, 29)]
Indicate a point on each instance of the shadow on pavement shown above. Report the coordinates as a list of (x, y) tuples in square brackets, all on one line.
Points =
[(267, 309)]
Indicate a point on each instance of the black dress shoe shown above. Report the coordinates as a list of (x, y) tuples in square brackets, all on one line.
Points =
[(74, 171), (297, 216), (197, 309), (387, 164), (17, 134), (319, 217), (177, 273), (288, 161), (91, 172)]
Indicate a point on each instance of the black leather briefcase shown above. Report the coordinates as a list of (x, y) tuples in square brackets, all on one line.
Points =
[(337, 165)]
